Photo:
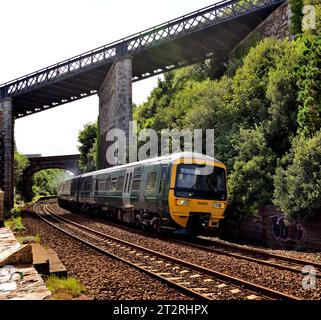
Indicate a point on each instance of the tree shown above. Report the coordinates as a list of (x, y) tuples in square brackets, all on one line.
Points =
[(282, 93), (309, 83), (297, 15), (46, 182), (20, 164), (250, 82), (87, 139), (251, 183), (297, 180)]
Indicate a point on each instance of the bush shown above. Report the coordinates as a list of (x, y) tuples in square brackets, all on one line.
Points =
[(309, 83), (297, 180), (251, 183)]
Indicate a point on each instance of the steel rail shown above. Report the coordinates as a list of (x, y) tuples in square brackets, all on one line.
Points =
[(239, 256), (236, 281)]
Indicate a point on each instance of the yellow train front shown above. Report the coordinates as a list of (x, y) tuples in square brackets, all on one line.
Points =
[(179, 192), (197, 195)]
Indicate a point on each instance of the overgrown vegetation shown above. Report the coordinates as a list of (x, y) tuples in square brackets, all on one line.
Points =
[(29, 239), (64, 288), (14, 223)]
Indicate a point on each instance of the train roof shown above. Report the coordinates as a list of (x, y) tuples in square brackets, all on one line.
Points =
[(170, 158)]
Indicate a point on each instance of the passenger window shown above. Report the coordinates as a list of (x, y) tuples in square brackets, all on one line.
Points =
[(102, 184), (151, 181), (120, 183), (113, 186), (107, 187), (87, 186), (136, 182)]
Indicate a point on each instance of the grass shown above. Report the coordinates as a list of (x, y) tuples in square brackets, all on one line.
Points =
[(29, 239), (64, 288), (15, 224)]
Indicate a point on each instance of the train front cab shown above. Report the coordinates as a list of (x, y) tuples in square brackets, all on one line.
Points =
[(197, 202)]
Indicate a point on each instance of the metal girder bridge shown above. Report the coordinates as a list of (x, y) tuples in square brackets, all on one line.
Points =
[(211, 31)]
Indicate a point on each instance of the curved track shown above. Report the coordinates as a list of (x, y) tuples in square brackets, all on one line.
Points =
[(191, 279)]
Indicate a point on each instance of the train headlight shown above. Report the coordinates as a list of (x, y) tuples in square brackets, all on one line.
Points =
[(182, 202), (218, 205)]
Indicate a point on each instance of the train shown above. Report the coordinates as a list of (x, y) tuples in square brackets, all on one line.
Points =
[(182, 192)]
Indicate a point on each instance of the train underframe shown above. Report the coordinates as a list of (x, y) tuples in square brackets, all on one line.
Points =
[(143, 219)]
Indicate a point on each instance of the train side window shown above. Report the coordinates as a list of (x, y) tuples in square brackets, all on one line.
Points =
[(120, 183), (102, 184), (151, 181), (136, 182), (87, 186), (107, 186), (162, 180), (113, 185)]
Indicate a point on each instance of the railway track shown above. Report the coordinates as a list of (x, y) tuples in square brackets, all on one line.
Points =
[(259, 256), (191, 279), (254, 255)]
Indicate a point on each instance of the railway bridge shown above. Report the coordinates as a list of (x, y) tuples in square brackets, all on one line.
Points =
[(109, 70), (67, 162)]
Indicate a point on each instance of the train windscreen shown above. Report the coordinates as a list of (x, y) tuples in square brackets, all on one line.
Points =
[(201, 182)]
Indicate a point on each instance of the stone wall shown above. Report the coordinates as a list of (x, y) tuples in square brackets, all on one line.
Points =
[(270, 229), (115, 106), (7, 155), (275, 25)]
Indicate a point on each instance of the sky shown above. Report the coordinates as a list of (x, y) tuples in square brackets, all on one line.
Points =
[(39, 33)]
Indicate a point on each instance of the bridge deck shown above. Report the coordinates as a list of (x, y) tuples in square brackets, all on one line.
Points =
[(212, 31)]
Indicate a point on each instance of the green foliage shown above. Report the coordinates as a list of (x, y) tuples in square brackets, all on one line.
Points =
[(297, 15), (250, 183), (87, 138), (29, 239), (46, 182), (297, 180), (20, 164), (251, 80), (281, 93), (238, 54), (64, 288), (309, 83), (14, 223)]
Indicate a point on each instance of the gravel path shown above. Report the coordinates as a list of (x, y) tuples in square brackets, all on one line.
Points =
[(104, 278), (285, 281)]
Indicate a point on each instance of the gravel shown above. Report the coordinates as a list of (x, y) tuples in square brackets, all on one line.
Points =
[(103, 277), (284, 281)]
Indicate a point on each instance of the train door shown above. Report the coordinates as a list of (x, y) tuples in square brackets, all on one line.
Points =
[(128, 214)]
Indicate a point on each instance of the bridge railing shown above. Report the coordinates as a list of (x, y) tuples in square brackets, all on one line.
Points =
[(186, 24)]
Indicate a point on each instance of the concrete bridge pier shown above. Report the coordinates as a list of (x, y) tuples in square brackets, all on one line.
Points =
[(115, 109), (7, 151)]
